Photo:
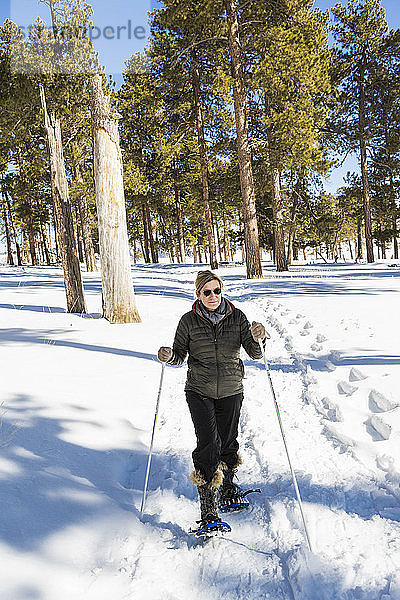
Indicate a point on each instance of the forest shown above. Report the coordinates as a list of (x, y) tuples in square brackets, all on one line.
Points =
[(226, 127)]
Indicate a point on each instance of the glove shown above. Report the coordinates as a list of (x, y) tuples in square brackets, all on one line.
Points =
[(164, 354), (257, 331)]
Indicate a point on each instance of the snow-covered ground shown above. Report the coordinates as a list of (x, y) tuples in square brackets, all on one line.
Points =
[(78, 398)]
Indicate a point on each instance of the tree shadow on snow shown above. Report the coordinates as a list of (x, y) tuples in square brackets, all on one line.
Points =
[(52, 338), (50, 484)]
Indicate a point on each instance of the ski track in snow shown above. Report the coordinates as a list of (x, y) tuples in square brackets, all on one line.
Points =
[(350, 492)]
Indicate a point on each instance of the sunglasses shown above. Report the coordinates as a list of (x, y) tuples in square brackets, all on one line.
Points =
[(217, 292)]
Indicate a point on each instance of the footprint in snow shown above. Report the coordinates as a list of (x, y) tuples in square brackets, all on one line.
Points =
[(378, 428), (379, 403), (320, 338), (385, 462), (345, 388), (304, 332), (356, 375), (316, 347), (332, 410), (308, 325)]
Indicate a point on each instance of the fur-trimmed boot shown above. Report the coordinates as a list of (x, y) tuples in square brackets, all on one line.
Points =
[(208, 504), (228, 489)]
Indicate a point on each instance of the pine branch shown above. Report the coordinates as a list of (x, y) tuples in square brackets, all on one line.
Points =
[(195, 44)]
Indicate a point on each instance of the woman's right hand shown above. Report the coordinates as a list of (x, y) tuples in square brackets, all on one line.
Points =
[(164, 354)]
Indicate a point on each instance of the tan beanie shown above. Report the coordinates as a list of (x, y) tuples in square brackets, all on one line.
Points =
[(204, 277)]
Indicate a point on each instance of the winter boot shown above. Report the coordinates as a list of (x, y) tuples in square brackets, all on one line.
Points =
[(228, 491), (231, 496), (208, 504)]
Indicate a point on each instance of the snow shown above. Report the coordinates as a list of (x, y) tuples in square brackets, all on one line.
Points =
[(77, 408)]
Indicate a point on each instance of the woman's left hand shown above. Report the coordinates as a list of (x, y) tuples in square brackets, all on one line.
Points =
[(257, 331)]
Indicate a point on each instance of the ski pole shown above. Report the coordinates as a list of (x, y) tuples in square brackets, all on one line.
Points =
[(296, 487), (152, 439)]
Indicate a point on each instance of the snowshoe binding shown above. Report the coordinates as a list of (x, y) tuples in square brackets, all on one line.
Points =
[(211, 528), (231, 497), (236, 500)]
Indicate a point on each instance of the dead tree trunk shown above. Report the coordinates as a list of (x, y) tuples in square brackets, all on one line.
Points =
[(203, 162), (118, 296), (63, 215), (253, 262)]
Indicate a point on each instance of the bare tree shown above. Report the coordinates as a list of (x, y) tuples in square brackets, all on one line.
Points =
[(118, 295), (62, 214)]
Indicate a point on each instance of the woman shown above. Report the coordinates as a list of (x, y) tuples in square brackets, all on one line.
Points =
[(212, 334)]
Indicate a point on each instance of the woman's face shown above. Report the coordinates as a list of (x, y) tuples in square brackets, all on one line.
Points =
[(211, 300)]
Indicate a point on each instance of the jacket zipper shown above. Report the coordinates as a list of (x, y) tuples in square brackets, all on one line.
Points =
[(216, 353)]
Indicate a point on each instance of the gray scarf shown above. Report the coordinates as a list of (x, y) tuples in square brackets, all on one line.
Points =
[(215, 316)]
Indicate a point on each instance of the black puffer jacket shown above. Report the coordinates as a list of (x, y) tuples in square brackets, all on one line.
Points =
[(214, 365)]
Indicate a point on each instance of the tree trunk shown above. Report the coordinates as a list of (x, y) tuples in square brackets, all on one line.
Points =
[(253, 262), (395, 244), (150, 235), (364, 172), (295, 248), (179, 227), (217, 231), (44, 245), (146, 241), (351, 250), (79, 243), (292, 229), (280, 257), (17, 245), (203, 161), (88, 248), (63, 214), (277, 212), (118, 295), (359, 240), (32, 247), (10, 258)]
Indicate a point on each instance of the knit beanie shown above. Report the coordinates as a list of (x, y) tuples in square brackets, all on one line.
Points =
[(204, 277)]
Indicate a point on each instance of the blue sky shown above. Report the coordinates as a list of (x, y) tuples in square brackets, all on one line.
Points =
[(122, 29)]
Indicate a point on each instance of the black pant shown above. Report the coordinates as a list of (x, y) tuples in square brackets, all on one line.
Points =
[(216, 425)]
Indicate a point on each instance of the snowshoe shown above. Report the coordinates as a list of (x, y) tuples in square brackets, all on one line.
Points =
[(234, 499), (211, 528)]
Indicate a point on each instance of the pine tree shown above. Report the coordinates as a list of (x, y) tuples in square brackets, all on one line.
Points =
[(359, 30), (288, 57)]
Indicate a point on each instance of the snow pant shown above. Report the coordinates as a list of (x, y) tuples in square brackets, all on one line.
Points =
[(216, 424)]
